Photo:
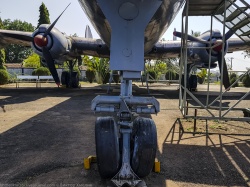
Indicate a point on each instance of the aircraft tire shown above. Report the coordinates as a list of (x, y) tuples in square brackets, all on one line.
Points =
[(144, 146), (65, 78), (107, 147), (193, 82), (74, 80)]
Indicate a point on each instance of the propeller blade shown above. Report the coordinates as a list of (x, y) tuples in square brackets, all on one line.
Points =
[(53, 24), (225, 80), (190, 37), (228, 34), (51, 65)]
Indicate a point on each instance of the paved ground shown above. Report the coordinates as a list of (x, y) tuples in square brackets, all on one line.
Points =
[(46, 133)]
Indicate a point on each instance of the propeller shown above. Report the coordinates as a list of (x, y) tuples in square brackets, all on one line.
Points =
[(225, 78), (41, 40), (217, 48), (190, 37)]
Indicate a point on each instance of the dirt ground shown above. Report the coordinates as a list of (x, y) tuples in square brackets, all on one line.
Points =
[(45, 133)]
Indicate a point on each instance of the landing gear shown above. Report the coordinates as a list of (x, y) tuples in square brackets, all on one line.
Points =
[(132, 155), (70, 78), (74, 80), (107, 147), (144, 142), (65, 78), (193, 83)]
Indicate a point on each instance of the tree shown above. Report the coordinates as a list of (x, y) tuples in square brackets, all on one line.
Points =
[(99, 65), (2, 52), (16, 53), (1, 24), (43, 19), (196, 33), (44, 15), (2, 59), (33, 61), (156, 69)]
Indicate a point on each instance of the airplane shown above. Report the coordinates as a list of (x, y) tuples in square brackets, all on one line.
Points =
[(130, 31)]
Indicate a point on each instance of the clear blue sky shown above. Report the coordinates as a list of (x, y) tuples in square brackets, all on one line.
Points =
[(74, 20)]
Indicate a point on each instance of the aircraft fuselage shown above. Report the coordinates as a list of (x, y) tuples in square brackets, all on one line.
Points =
[(154, 30)]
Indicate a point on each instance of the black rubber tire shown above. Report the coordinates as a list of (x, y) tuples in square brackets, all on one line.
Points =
[(65, 78), (107, 147), (193, 82), (74, 80), (144, 146)]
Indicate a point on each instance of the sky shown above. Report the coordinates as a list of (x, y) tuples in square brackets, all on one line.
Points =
[(74, 21)]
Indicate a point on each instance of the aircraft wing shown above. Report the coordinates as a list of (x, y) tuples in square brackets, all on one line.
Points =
[(79, 45), (97, 47), (236, 44), (15, 37)]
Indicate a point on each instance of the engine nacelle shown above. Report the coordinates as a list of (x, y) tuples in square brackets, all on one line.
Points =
[(57, 43), (199, 52)]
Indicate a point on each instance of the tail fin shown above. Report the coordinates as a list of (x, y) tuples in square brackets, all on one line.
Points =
[(88, 33)]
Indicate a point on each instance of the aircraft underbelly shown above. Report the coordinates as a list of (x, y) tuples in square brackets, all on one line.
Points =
[(154, 30)]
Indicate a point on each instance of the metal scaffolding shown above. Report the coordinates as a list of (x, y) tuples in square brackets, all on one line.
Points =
[(233, 15)]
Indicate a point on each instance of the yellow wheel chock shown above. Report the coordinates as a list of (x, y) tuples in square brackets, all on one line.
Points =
[(92, 159), (157, 167), (88, 161)]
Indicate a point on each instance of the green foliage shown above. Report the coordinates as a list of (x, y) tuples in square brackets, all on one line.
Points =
[(4, 77), (241, 77), (233, 75), (41, 71), (90, 75), (246, 81), (100, 66), (232, 80), (18, 25), (33, 61), (202, 73), (201, 76), (1, 24), (196, 33), (2, 59), (44, 15), (16, 53), (156, 70), (171, 75), (74, 69)]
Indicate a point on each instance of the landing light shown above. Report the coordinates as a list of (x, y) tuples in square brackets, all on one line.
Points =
[(128, 11)]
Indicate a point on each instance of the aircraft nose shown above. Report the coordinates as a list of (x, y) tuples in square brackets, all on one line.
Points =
[(40, 40)]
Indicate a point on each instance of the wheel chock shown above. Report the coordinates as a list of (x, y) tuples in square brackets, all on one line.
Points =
[(157, 167), (88, 161)]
